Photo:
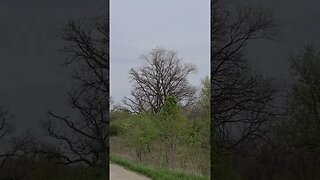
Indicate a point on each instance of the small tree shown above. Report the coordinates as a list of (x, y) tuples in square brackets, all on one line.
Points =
[(173, 127), (204, 97), (201, 123), (140, 131)]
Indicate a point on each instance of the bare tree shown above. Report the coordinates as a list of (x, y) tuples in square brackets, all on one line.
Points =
[(303, 124), (88, 49), (84, 137), (162, 75), (11, 146), (241, 100), (5, 129)]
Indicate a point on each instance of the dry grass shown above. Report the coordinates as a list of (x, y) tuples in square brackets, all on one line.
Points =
[(155, 173), (193, 160)]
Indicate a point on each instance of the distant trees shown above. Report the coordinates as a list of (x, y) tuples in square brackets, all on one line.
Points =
[(163, 74), (304, 98), (299, 132)]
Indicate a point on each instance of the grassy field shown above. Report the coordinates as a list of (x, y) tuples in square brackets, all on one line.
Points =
[(188, 160), (154, 173), (169, 141)]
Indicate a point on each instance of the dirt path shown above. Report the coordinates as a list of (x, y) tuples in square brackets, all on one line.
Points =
[(120, 173)]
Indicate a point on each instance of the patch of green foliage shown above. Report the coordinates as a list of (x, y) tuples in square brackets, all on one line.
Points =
[(177, 139), (116, 122), (139, 131)]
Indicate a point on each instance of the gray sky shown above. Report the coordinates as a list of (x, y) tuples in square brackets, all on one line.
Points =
[(298, 24), (137, 26), (32, 80)]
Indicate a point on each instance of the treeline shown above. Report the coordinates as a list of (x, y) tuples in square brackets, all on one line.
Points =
[(261, 129), (165, 123)]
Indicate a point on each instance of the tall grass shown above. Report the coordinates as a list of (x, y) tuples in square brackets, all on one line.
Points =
[(195, 161), (153, 172)]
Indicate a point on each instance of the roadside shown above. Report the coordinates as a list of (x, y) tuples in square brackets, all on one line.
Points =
[(152, 172), (119, 173)]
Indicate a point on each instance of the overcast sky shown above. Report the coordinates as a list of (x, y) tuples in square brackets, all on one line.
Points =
[(32, 80), (137, 26), (298, 24)]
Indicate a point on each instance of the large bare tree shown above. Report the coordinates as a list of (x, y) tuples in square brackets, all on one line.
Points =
[(163, 74), (83, 132), (242, 101)]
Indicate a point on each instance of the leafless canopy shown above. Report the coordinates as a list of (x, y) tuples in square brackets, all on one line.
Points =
[(88, 50), (83, 133), (162, 75), (241, 100)]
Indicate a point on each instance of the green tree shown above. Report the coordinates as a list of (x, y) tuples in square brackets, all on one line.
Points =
[(139, 131), (173, 127), (201, 123), (204, 98)]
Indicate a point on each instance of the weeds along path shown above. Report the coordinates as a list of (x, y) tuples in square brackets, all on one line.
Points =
[(120, 173)]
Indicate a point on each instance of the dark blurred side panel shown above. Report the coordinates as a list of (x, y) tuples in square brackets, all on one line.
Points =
[(265, 90), (54, 74)]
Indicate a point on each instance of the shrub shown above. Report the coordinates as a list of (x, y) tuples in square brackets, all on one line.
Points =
[(139, 131)]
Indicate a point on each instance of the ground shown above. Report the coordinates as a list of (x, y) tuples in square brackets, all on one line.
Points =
[(120, 173)]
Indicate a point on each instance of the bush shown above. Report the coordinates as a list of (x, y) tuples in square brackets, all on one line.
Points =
[(139, 131), (115, 128)]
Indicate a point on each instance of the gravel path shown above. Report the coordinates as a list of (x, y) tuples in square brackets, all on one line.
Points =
[(120, 173)]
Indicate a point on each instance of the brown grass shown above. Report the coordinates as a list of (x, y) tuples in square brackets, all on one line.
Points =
[(193, 160)]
